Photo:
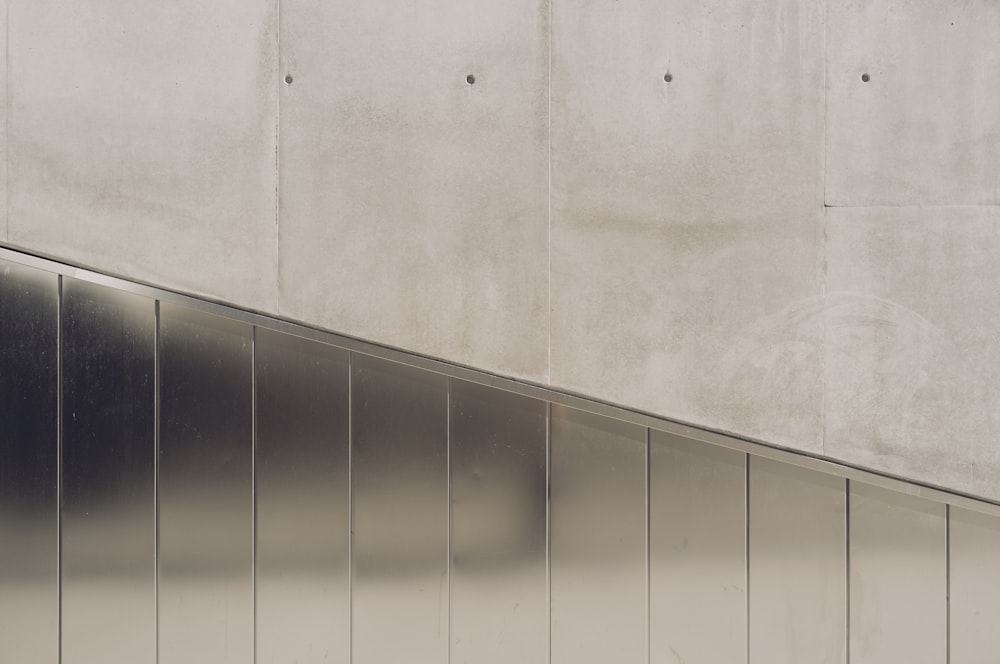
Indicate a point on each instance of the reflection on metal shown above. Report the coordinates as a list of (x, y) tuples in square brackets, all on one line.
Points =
[(797, 562), (974, 587), (29, 528), (303, 500), (206, 602), (598, 539), (108, 494), (498, 533), (697, 551), (899, 571), (399, 424), (319, 499)]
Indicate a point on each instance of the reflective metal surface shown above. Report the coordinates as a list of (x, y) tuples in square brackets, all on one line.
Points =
[(975, 587), (898, 571), (449, 512), (697, 552), (108, 495), (598, 539), (797, 565), (498, 530), (303, 501), (29, 529), (400, 481), (206, 489), (534, 390)]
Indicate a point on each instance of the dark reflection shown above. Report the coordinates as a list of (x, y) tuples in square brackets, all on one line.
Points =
[(598, 535), (206, 488), (400, 512), (303, 500), (108, 511), (28, 464), (498, 588)]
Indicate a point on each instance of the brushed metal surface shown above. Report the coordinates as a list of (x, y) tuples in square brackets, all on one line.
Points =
[(898, 576), (400, 496), (29, 529), (975, 587), (797, 557), (853, 472), (598, 539), (303, 500), (206, 489), (498, 528), (697, 552), (108, 494)]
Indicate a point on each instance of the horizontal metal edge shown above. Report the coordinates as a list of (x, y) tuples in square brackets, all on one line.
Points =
[(526, 388)]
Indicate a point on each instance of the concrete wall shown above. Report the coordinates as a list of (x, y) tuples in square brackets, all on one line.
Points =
[(765, 244)]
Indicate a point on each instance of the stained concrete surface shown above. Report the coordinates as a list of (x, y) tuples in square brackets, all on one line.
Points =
[(912, 352), (686, 215), (680, 261), (925, 128), (414, 205), (142, 140)]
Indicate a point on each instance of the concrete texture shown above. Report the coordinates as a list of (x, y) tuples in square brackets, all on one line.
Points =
[(571, 217), (414, 205), (912, 353), (925, 129), (142, 140), (687, 214)]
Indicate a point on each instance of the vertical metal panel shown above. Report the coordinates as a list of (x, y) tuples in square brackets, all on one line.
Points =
[(108, 496), (400, 483), (29, 544), (598, 539), (975, 587), (898, 605), (797, 565), (498, 533), (206, 489), (697, 552), (303, 501)]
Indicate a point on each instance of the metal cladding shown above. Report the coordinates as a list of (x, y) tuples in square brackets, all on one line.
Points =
[(183, 482)]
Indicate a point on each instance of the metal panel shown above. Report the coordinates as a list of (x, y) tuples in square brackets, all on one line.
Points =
[(303, 501), (400, 484), (498, 527), (598, 539), (206, 489), (797, 565), (898, 605), (975, 587), (29, 531), (108, 496), (697, 552)]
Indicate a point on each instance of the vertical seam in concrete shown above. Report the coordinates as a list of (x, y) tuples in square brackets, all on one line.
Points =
[(448, 445), (548, 271), (824, 388), (947, 582), (6, 120), (277, 155), (847, 571)]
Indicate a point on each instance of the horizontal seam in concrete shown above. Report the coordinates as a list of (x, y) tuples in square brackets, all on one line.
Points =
[(915, 206)]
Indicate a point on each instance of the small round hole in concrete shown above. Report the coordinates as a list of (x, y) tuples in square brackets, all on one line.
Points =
[(288, 79), (668, 77), (470, 79), (865, 78)]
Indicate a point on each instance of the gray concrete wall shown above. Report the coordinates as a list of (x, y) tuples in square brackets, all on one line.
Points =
[(765, 244)]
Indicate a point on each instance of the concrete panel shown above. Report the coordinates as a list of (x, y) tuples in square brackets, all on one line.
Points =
[(686, 214), (925, 128), (912, 359), (414, 205), (3, 120), (142, 140)]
